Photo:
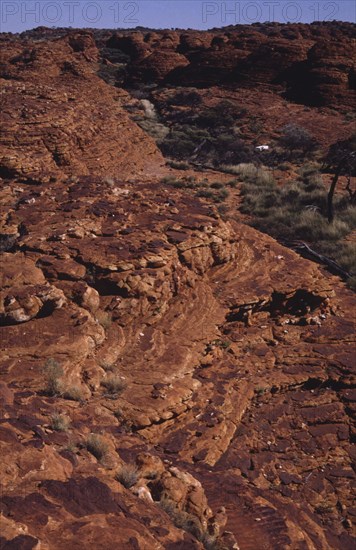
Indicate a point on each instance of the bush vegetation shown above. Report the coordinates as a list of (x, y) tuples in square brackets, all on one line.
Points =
[(107, 366), (181, 182), (341, 149), (73, 393), (153, 127), (249, 172), (55, 386), (114, 72), (215, 194), (182, 141), (118, 413), (114, 384), (208, 135), (53, 372), (182, 519), (96, 445), (178, 165), (296, 138), (205, 145), (60, 422), (185, 97), (127, 475), (215, 191), (190, 524), (298, 210)]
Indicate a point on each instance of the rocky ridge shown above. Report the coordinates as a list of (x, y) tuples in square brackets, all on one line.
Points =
[(70, 122), (310, 64), (168, 379)]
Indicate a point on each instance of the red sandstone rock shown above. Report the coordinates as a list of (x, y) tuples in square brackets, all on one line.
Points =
[(178, 337), (63, 124), (157, 65), (312, 64)]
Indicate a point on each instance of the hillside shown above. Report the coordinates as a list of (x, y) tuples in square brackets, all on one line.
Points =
[(171, 377)]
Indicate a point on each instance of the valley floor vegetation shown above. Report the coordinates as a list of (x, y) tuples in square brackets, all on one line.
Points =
[(192, 135), (298, 211), (294, 211)]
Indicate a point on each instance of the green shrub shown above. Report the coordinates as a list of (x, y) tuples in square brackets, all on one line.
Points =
[(298, 211), (294, 137), (290, 193), (344, 255), (53, 372), (223, 344), (217, 185), (107, 366), (348, 215), (244, 170), (313, 182), (118, 413), (73, 393), (211, 542), (221, 196), (113, 74), (71, 446), (127, 475), (264, 178), (114, 384), (178, 165), (191, 524), (154, 128), (186, 97), (351, 282), (201, 139), (182, 141), (232, 183), (60, 422), (170, 180), (182, 519), (250, 173), (342, 149), (223, 209), (217, 194), (97, 446), (309, 168), (205, 194), (314, 227)]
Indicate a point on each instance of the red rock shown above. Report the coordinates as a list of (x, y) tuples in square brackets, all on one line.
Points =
[(158, 65), (82, 136), (328, 74), (25, 303), (240, 421)]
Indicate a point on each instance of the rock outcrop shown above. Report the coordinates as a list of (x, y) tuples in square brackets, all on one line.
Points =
[(311, 64), (328, 75), (59, 118), (169, 379)]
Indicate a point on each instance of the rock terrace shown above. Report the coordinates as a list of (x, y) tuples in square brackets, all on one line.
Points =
[(169, 379)]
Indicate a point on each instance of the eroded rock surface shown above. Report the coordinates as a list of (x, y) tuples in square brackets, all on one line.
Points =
[(168, 379), (59, 118), (311, 64)]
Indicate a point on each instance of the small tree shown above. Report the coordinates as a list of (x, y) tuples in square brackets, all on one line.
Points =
[(296, 138), (339, 150), (346, 162)]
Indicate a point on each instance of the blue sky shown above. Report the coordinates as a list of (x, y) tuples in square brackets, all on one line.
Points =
[(19, 15)]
